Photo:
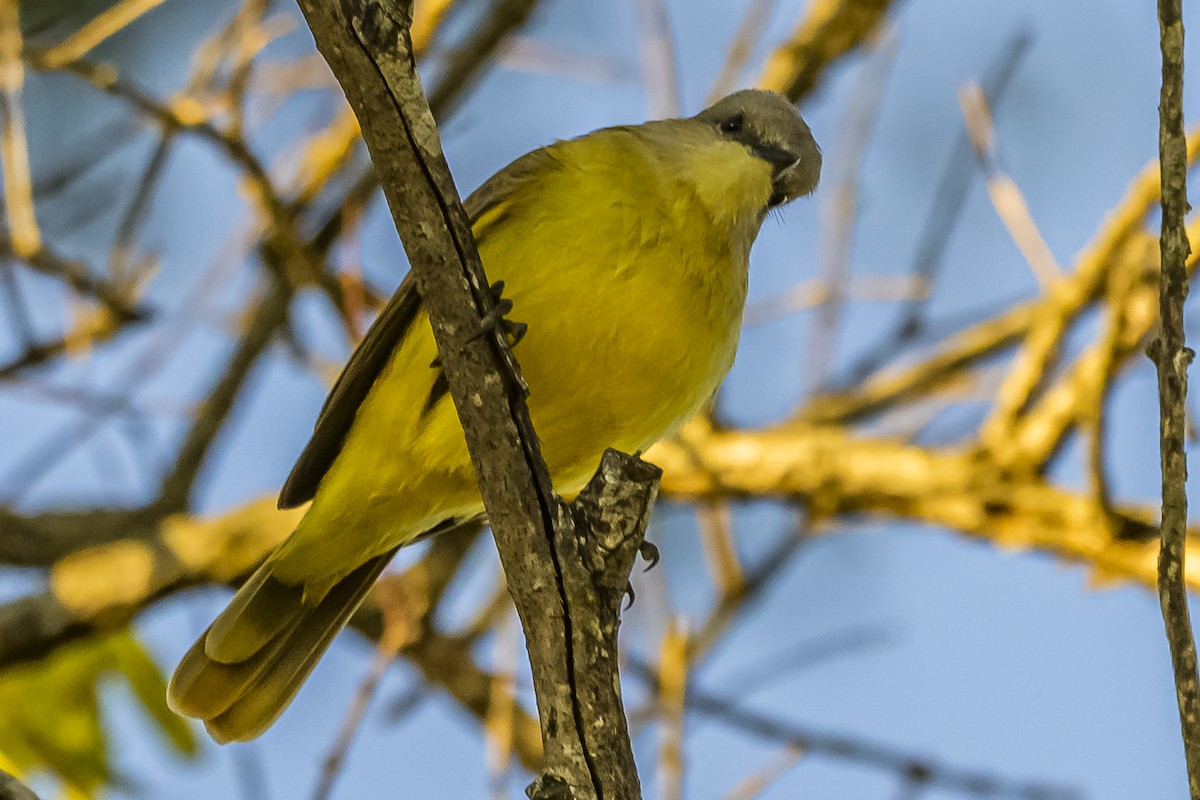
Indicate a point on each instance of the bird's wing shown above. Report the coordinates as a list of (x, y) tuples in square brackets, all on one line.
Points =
[(485, 207)]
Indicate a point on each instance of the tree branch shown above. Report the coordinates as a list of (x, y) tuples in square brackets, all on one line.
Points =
[(13, 789), (829, 30), (837, 473), (1172, 358), (560, 578)]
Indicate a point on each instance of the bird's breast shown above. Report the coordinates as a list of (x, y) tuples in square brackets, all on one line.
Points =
[(633, 313)]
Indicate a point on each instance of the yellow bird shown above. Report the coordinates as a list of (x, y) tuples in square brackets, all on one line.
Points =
[(625, 252)]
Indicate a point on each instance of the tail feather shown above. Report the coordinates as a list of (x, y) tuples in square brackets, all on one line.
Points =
[(246, 668), (260, 613)]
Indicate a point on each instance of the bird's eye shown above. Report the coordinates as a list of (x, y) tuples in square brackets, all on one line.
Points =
[(733, 124)]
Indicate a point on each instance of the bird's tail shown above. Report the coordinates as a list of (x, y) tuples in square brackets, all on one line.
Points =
[(243, 671)]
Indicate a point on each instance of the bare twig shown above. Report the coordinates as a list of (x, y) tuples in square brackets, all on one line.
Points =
[(1039, 323), (114, 296), (1173, 357), (121, 252), (715, 521), (498, 725), (818, 291), (758, 782), (92, 328), (1006, 198), (838, 472), (54, 448)]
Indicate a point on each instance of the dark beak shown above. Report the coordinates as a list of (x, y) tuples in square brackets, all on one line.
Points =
[(777, 157), (796, 168), (781, 161)]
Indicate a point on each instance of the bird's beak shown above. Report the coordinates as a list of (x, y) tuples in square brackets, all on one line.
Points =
[(779, 159), (795, 174), (781, 162)]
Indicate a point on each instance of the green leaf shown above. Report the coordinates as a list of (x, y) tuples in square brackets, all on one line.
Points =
[(52, 717)]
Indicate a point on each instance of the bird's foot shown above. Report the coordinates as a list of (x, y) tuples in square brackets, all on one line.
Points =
[(496, 318)]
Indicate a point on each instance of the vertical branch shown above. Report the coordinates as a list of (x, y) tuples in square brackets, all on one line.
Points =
[(672, 692), (567, 567), (1172, 359)]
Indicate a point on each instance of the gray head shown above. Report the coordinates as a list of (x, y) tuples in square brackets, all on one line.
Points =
[(769, 125)]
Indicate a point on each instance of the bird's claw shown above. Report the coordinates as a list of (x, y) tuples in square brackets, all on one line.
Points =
[(515, 331), (495, 319), (649, 552), (629, 594)]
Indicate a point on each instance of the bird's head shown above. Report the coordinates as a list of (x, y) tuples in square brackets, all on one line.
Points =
[(769, 126)]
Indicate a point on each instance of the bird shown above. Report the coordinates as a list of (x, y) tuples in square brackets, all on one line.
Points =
[(625, 255)]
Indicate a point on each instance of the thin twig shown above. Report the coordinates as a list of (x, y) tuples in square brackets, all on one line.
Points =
[(121, 252), (855, 289), (672, 691), (51, 450), (1172, 357), (14, 301), (97, 29), (759, 781), (715, 521), (1006, 198), (118, 298)]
